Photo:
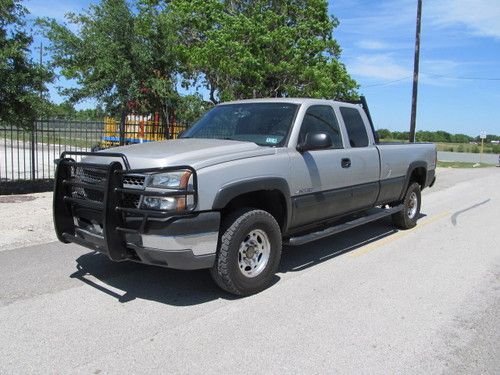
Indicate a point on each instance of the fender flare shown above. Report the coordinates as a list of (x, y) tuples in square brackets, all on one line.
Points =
[(234, 189), (414, 165)]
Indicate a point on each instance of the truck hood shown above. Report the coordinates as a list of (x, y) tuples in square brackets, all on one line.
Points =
[(197, 153)]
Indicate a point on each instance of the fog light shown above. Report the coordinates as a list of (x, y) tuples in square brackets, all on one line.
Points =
[(160, 203)]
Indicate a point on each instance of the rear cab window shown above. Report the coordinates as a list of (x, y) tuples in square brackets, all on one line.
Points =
[(355, 126)]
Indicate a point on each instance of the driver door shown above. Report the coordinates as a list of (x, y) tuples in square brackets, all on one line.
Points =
[(320, 178)]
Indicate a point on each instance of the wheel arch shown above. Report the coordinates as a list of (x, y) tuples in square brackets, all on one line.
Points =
[(417, 172), (271, 194)]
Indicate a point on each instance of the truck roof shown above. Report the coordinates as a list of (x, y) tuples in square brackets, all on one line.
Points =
[(292, 100)]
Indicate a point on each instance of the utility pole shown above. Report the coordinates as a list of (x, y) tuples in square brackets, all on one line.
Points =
[(413, 119)]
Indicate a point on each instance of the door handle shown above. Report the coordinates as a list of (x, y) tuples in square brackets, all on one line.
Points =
[(346, 163)]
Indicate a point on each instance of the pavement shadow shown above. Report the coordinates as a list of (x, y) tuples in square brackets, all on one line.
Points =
[(297, 258), (127, 281)]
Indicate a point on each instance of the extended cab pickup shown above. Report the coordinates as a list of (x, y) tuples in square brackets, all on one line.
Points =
[(248, 177)]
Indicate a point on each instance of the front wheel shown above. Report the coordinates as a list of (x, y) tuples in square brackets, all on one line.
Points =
[(407, 218), (249, 252)]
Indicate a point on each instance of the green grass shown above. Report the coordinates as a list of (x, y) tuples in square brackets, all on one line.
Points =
[(50, 139), (394, 140), (458, 147), (461, 164)]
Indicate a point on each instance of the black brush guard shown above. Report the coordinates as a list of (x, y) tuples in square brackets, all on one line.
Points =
[(112, 212)]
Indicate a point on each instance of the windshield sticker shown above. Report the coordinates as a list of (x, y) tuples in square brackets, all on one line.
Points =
[(271, 140)]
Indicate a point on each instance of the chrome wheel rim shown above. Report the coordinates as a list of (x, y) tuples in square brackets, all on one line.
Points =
[(412, 205), (254, 253)]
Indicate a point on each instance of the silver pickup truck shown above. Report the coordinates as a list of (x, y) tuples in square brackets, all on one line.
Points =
[(249, 176)]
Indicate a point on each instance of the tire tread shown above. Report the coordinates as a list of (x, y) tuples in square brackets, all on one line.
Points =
[(221, 270)]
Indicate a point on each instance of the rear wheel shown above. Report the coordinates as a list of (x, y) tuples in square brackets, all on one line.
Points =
[(249, 252), (407, 218)]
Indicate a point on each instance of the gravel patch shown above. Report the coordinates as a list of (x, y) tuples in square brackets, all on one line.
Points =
[(25, 220)]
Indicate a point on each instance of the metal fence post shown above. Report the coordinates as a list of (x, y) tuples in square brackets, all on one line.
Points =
[(33, 143), (122, 127)]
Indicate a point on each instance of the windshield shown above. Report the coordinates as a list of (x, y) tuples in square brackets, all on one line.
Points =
[(266, 124)]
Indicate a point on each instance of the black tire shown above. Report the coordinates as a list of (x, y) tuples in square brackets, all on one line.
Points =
[(407, 219), (234, 231)]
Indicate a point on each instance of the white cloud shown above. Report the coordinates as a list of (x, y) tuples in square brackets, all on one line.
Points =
[(480, 17), (379, 66), (373, 45), (385, 19), (440, 66)]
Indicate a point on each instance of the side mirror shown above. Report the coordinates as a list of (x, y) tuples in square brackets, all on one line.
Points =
[(315, 141)]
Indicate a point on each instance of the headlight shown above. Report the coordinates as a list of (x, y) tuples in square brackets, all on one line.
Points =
[(170, 180), (176, 180)]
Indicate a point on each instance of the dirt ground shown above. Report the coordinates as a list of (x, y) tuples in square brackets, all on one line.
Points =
[(25, 220)]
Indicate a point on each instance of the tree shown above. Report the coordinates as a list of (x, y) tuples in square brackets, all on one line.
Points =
[(121, 54), (131, 54), (21, 81), (384, 134), (460, 138), (190, 108), (66, 110), (261, 48)]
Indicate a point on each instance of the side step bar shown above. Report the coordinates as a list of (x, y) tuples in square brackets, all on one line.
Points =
[(376, 214)]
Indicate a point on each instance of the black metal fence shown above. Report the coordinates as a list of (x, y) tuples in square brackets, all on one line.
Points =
[(28, 154)]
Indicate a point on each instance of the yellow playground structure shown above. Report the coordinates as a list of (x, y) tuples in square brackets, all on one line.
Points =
[(138, 129)]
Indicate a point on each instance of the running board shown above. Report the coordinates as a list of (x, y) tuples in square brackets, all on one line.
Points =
[(376, 214)]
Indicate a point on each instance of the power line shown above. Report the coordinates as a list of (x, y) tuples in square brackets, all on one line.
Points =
[(387, 83), (465, 78)]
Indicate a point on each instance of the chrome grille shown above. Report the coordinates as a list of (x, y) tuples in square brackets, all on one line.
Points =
[(89, 176), (98, 176), (133, 181)]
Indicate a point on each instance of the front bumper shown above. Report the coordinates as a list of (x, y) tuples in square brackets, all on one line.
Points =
[(181, 240)]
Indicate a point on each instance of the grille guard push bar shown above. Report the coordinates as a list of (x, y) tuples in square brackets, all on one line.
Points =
[(113, 213)]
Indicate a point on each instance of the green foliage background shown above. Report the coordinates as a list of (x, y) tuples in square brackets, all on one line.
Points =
[(22, 82), (139, 54)]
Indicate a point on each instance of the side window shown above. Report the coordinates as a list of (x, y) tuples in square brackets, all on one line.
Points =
[(355, 127), (321, 119)]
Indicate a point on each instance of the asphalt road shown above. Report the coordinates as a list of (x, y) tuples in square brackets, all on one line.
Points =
[(372, 300)]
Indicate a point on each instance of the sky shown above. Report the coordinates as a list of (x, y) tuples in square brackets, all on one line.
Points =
[(459, 86)]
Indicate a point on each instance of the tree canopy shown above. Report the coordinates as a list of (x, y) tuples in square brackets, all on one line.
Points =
[(438, 136), (243, 49), (119, 54), (21, 80), (139, 52)]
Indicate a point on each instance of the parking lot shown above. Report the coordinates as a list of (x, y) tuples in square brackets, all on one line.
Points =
[(371, 300)]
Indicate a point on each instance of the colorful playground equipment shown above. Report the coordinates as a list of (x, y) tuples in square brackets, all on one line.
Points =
[(138, 129)]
